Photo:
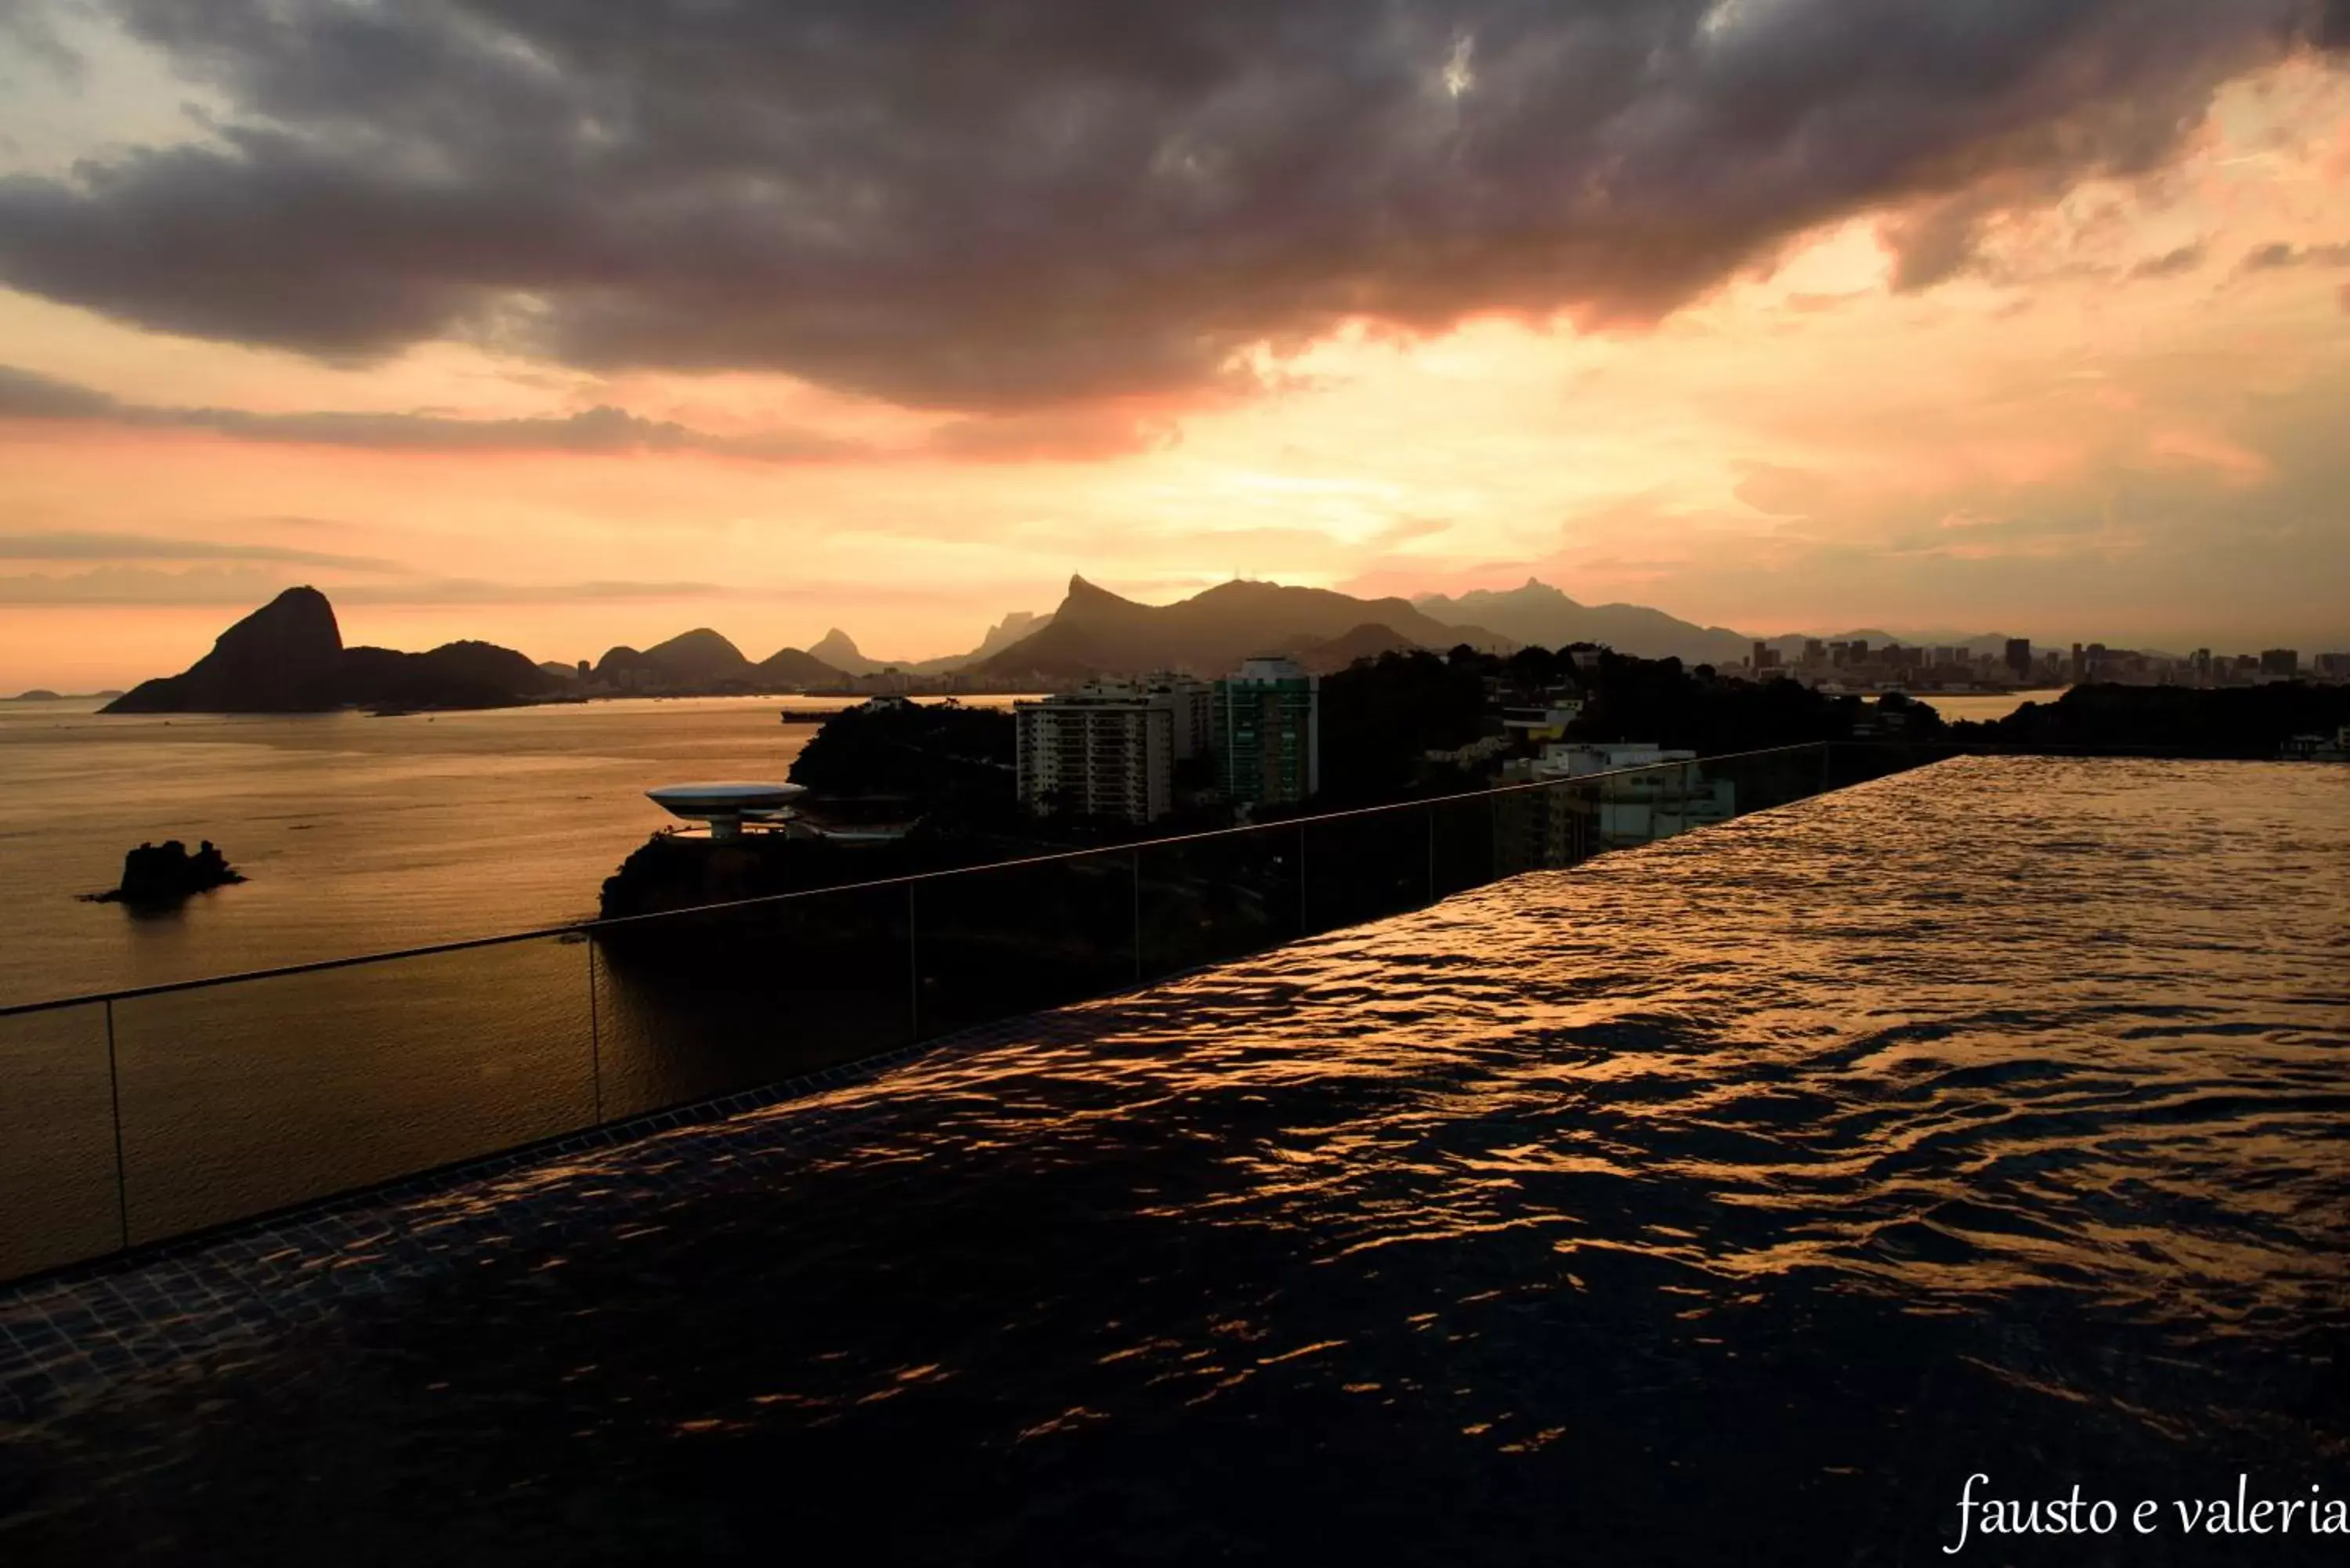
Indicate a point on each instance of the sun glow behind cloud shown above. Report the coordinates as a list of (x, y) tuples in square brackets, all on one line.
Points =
[(2103, 423)]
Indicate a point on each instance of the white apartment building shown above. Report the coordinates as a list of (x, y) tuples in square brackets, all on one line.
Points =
[(1093, 754), (1189, 700), (1636, 807), (1546, 722)]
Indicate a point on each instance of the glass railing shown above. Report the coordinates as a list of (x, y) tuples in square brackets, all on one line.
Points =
[(142, 1115)]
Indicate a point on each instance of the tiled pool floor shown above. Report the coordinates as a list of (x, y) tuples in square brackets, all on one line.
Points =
[(73, 1335)]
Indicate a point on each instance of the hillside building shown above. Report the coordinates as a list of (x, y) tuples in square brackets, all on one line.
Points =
[(1096, 754), (1266, 726)]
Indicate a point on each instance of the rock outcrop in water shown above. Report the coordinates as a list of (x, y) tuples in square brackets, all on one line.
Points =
[(288, 656), (166, 873)]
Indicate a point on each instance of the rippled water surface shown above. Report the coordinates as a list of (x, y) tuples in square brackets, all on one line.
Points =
[(359, 834), (1731, 1199)]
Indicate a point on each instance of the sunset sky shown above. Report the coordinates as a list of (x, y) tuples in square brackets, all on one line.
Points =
[(574, 325)]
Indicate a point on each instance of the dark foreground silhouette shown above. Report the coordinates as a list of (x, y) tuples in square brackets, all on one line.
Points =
[(166, 873)]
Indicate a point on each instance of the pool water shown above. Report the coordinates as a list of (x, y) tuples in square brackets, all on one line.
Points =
[(1731, 1199)]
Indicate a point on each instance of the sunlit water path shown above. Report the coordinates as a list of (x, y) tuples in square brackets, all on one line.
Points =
[(1731, 1199), (359, 834)]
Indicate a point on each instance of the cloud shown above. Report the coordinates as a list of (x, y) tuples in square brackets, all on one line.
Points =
[(88, 546), (35, 37), (1045, 435), (25, 394), (2171, 264), (1404, 530), (2278, 256), (249, 585), (1050, 202), (1074, 435), (1778, 490), (474, 591), (244, 586)]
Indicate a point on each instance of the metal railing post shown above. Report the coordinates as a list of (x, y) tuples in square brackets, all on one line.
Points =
[(114, 1093), (1494, 860), (913, 974), (1135, 866), (1304, 927), (1430, 809), (595, 1039)]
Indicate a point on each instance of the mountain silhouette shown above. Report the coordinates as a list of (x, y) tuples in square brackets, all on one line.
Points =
[(281, 659), (453, 675), (840, 651), (1367, 640), (1014, 627), (1095, 631), (702, 660), (287, 656), (836, 648), (1537, 613), (696, 657), (789, 667)]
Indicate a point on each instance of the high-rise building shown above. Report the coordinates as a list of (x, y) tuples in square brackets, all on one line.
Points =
[(1193, 702), (1097, 756), (2280, 661), (1765, 657), (1187, 699), (1267, 733), (2019, 657)]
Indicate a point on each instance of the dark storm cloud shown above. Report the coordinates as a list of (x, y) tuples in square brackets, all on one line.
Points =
[(1035, 202), (31, 34), (28, 395)]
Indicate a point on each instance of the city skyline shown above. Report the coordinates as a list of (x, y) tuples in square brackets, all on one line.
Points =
[(2065, 362)]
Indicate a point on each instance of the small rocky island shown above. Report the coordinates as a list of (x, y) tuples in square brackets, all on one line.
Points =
[(166, 873)]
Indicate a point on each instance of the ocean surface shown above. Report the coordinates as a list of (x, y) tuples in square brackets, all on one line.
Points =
[(357, 833), (1983, 708), (1731, 1199)]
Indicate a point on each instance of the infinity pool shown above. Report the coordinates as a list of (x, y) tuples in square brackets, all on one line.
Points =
[(1731, 1199)]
